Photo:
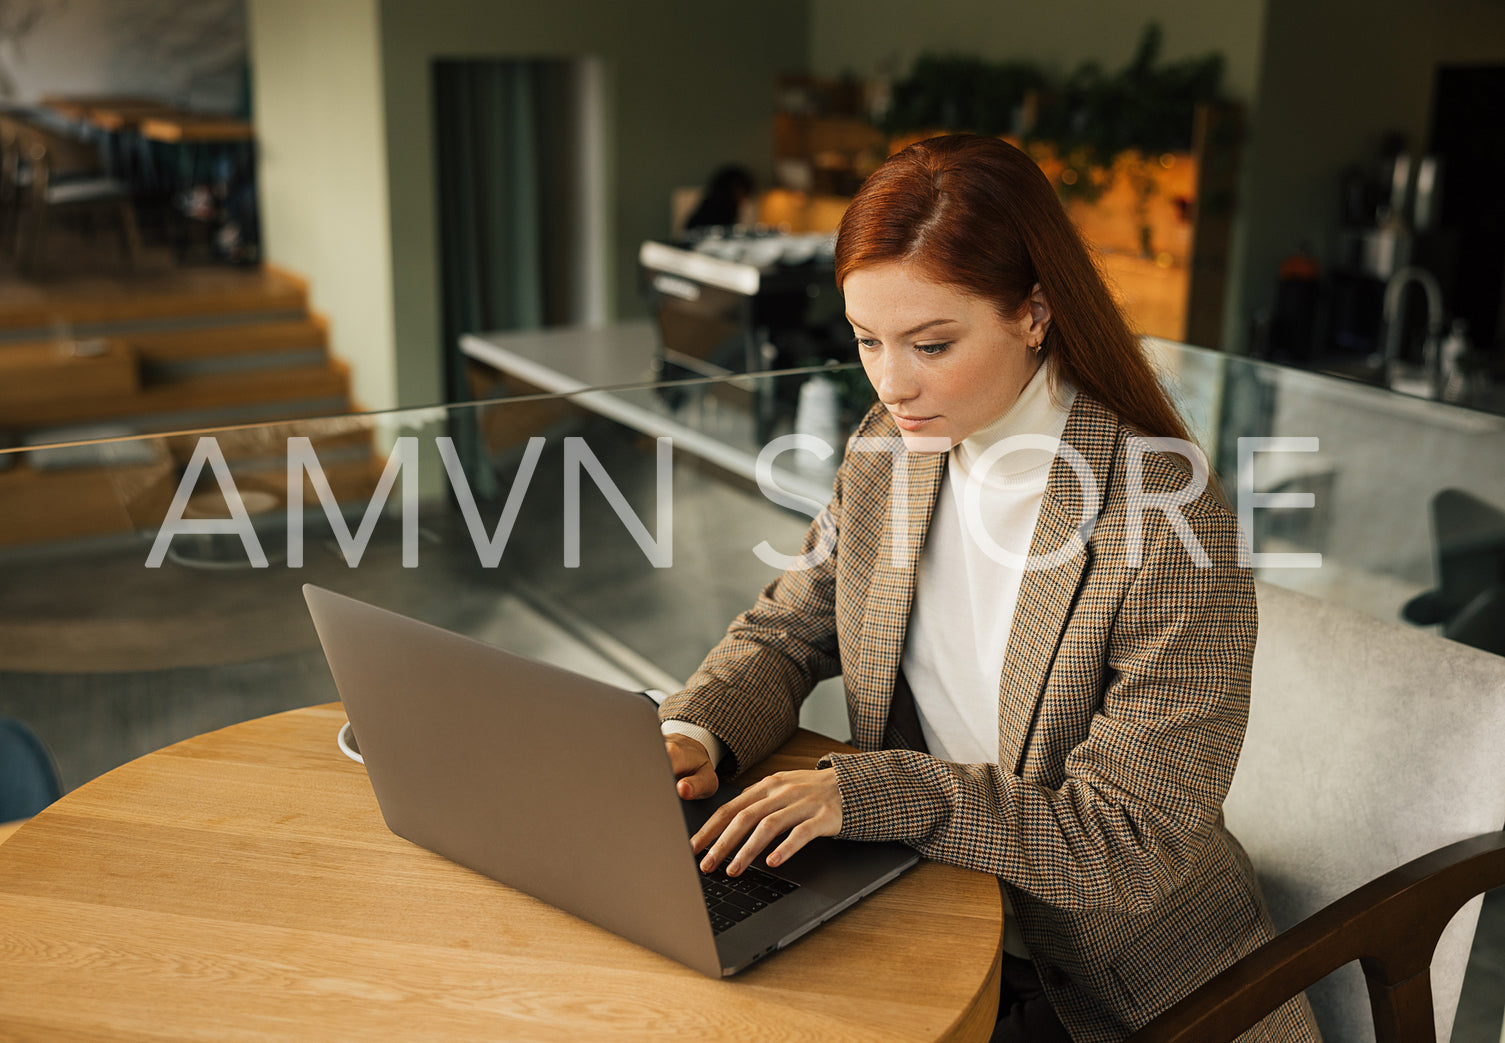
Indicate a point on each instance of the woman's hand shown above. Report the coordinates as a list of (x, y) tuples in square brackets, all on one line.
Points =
[(806, 804), (692, 767)]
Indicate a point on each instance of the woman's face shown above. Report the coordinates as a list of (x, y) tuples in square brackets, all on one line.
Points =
[(944, 363)]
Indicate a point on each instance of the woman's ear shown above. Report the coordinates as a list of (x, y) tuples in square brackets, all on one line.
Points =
[(1039, 312)]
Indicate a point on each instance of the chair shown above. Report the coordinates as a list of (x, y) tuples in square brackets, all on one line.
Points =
[(1481, 622), (1469, 536), (28, 777), (87, 192), (1370, 746)]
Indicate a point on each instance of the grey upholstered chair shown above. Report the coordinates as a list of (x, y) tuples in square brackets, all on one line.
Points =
[(1371, 746)]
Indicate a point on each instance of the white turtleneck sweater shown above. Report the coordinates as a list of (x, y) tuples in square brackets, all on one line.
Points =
[(966, 589)]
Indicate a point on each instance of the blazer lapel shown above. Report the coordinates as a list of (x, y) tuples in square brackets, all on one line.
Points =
[(912, 494), (1059, 551)]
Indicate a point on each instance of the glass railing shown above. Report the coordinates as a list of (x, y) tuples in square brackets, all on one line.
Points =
[(1395, 493), (150, 587)]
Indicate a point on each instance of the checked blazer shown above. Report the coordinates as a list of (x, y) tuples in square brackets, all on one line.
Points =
[(1121, 711)]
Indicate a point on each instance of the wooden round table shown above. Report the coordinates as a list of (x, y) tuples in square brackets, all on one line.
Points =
[(242, 885)]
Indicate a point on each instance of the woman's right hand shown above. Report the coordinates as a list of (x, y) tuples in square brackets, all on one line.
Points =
[(692, 767)]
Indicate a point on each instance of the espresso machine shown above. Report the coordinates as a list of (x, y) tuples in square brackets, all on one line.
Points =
[(745, 303)]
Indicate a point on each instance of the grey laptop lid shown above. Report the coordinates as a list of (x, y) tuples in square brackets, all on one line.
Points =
[(460, 743)]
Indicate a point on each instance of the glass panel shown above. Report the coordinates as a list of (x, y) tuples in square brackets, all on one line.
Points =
[(119, 634), (1397, 483), (537, 523)]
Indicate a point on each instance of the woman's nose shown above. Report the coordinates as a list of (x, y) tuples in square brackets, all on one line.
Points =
[(893, 380)]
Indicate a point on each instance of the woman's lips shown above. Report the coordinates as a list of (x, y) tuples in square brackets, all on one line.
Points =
[(911, 423)]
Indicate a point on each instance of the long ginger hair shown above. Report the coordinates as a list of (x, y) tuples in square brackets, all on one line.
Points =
[(978, 214)]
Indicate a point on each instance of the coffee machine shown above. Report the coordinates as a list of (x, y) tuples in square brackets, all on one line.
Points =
[(744, 302)]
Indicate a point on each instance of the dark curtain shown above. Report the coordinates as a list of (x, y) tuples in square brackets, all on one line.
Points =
[(508, 181)]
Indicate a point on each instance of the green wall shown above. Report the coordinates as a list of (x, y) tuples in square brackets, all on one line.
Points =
[(688, 86), (343, 105), (344, 116)]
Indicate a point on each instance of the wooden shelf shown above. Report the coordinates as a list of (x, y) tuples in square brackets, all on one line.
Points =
[(1162, 223)]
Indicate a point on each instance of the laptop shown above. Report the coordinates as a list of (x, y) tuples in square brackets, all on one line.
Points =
[(559, 785)]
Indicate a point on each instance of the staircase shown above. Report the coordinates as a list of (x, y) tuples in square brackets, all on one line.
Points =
[(214, 350)]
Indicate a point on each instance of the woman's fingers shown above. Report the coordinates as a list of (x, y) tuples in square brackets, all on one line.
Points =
[(805, 804), (798, 837), (721, 826), (700, 783), (761, 836)]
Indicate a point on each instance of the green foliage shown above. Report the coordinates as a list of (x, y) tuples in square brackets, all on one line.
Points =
[(1093, 115), (956, 92), (1141, 107)]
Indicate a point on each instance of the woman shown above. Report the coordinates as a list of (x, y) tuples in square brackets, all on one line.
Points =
[(1042, 626)]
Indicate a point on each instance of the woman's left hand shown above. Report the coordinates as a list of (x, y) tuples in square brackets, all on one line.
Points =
[(805, 803)]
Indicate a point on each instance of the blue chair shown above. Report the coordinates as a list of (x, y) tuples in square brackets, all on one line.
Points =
[(28, 777)]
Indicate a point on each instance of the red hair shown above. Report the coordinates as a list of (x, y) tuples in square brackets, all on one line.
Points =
[(978, 214)]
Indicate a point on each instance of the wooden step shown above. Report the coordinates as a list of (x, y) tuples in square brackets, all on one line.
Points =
[(44, 506), (333, 438), (180, 350), (93, 306), (52, 372), (245, 339), (306, 391), (255, 448), (47, 371)]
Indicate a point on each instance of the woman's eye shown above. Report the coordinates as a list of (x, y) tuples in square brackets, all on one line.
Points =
[(931, 349), (866, 342)]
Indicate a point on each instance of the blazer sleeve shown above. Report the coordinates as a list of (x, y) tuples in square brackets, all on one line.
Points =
[(1143, 792), (749, 689)]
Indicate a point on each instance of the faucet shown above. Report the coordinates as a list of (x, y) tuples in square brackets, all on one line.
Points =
[(1394, 328)]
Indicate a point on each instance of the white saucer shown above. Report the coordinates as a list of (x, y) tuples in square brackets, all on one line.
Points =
[(347, 744)]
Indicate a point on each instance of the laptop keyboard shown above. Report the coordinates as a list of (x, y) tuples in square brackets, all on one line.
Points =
[(731, 899)]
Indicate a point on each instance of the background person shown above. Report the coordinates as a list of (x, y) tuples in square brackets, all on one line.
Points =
[(721, 205)]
